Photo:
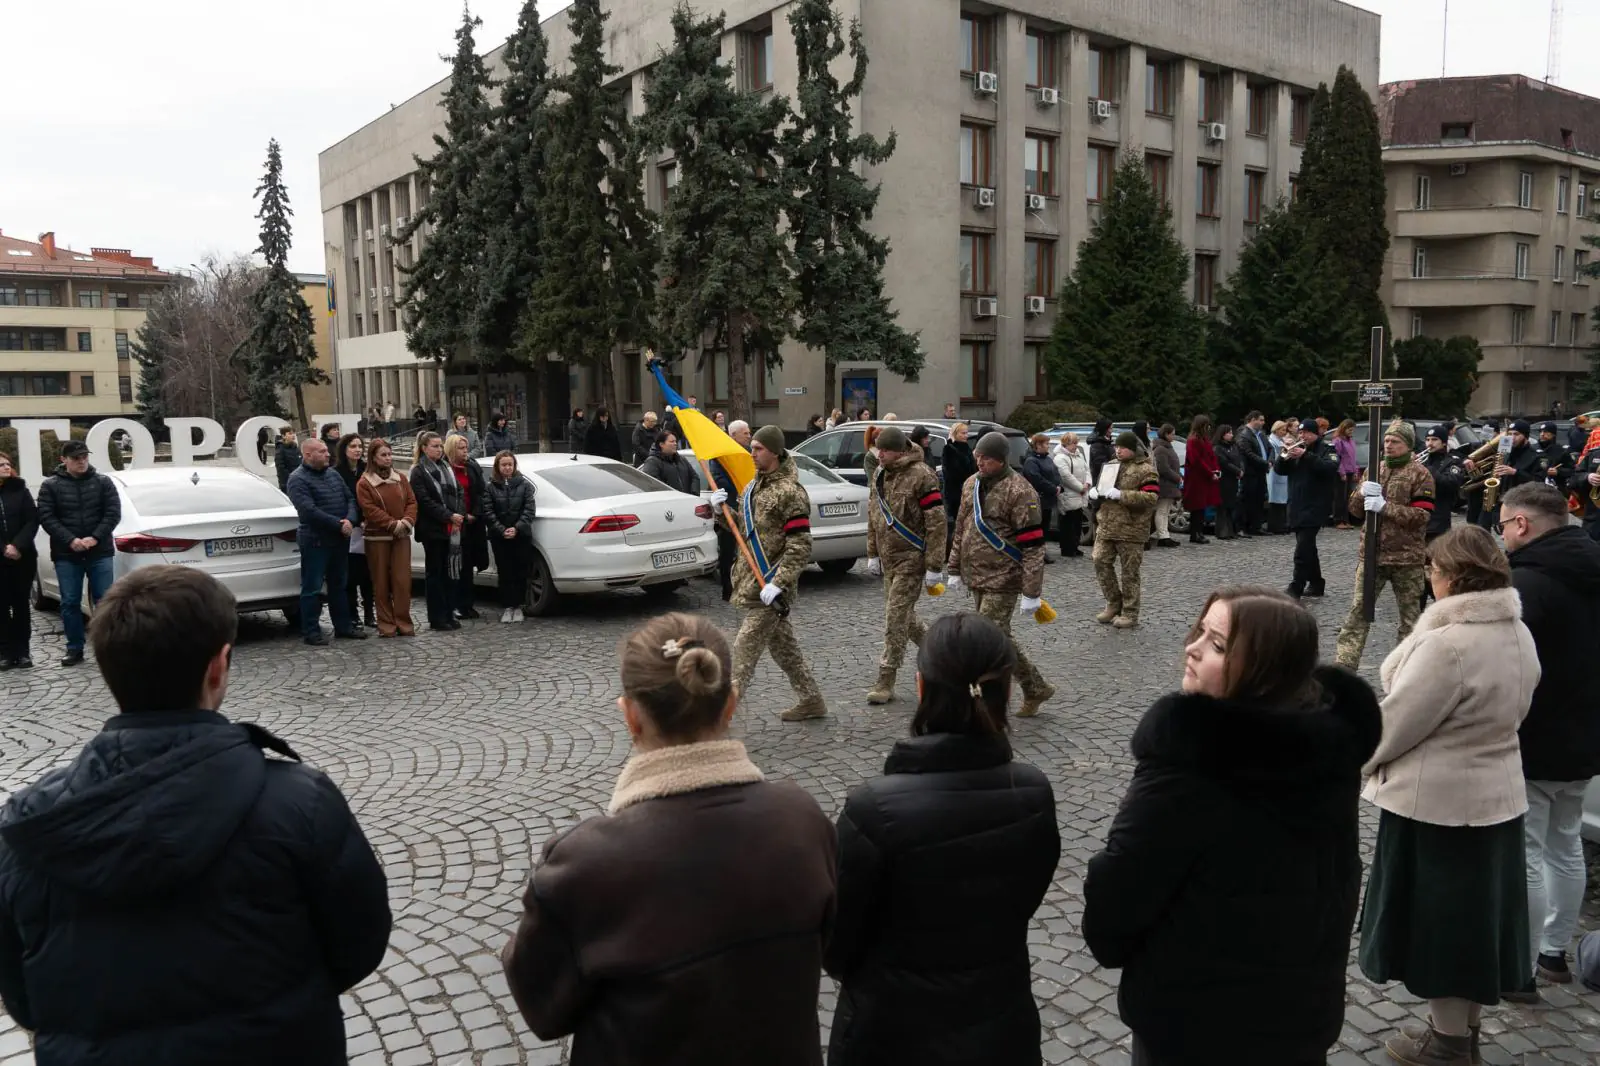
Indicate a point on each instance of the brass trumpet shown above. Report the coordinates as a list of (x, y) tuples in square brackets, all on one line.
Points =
[(1479, 481)]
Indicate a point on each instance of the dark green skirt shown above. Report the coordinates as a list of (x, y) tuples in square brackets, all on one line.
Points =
[(1446, 910)]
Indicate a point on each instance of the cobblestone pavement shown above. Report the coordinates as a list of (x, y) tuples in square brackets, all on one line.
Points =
[(459, 784)]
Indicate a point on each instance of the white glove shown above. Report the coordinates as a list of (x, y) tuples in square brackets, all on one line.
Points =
[(874, 566), (952, 583), (931, 578), (1375, 504), (1028, 604), (1113, 493), (719, 497), (770, 593), (1093, 494), (1370, 489)]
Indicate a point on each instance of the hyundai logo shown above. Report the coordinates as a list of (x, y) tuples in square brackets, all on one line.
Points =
[(669, 516), (240, 528)]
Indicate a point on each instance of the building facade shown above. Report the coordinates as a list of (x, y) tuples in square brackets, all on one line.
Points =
[(320, 399), (1494, 184), (67, 323), (1010, 121)]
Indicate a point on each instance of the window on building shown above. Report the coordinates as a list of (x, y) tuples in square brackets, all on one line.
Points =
[(1416, 325), (145, 299), (1033, 358), (977, 43), (1519, 324), (10, 340), (766, 385), (1575, 330), (89, 298), (1580, 267), (118, 299), (1158, 88), (1260, 113), (124, 389), (1039, 164), (85, 384), (666, 181), (38, 298), (757, 46), (8, 296), (719, 377), (975, 248), (1158, 168), (1299, 118), (1424, 193), (122, 345), (1210, 96), (1041, 59), (1103, 72), (1555, 327), (1522, 260), (1294, 187), (1255, 194), (632, 377), (1039, 267), (1207, 177), (1582, 212), (1563, 190), (1455, 131), (1419, 262), (1561, 262), (85, 341), (48, 384), (976, 152), (1102, 168), (40, 340), (1525, 189), (972, 373), (1205, 280)]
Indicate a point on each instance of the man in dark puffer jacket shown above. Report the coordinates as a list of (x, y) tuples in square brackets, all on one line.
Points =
[(79, 508), (174, 897)]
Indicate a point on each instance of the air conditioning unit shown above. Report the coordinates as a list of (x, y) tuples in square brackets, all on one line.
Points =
[(1595, 196), (983, 198), (372, 294), (1216, 132), (388, 291), (986, 83), (1100, 110), (985, 307), (1049, 97), (401, 221), (383, 230), (1035, 202), (1458, 170), (369, 235), (1033, 305)]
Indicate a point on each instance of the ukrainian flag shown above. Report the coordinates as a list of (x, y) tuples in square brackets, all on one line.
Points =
[(705, 439)]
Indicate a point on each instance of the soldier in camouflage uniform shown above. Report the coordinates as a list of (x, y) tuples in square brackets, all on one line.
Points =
[(1125, 511), (905, 542), (1403, 497), (999, 552), (775, 518)]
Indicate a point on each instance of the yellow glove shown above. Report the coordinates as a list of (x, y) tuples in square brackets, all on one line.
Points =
[(1045, 614)]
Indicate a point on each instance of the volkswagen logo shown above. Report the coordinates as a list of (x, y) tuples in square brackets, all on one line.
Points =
[(669, 516), (240, 528)]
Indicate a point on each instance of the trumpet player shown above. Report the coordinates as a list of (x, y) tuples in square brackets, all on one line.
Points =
[(1520, 467)]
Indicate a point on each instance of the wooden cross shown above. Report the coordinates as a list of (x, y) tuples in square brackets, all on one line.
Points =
[(1374, 394)]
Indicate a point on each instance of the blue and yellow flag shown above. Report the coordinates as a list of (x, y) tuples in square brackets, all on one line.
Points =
[(705, 438), (333, 286)]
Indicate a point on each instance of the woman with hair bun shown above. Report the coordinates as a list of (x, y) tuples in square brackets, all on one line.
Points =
[(942, 863), (686, 924)]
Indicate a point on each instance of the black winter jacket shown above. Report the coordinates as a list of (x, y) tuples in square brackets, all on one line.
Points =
[(1100, 453), (644, 442), (1558, 576), (174, 897), (286, 459), (1232, 463), (1040, 472), (942, 863), (676, 473), (19, 521), (1448, 477), (1241, 822), (1313, 480), (72, 507), (601, 439), (497, 440), (956, 465), (510, 503)]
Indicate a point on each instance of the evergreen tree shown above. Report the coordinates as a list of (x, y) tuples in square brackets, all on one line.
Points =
[(597, 245), (151, 349), (1127, 338), (1448, 369), (843, 311), (281, 351), (728, 267)]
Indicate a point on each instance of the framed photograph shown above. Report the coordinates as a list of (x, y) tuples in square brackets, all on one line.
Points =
[(859, 392), (1108, 476)]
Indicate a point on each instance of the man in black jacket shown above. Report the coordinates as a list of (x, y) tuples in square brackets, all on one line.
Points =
[(1585, 483), (1257, 456), (1312, 468), (286, 458), (1553, 454), (1556, 570), (1448, 477), (79, 508), (1521, 466), (174, 897)]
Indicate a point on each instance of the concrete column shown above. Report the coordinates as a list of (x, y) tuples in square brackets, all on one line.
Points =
[(1131, 113), (1075, 130), (1186, 151), (1236, 105), (1281, 156), (1014, 106)]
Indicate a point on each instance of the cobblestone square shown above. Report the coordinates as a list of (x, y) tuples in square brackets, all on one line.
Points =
[(461, 753)]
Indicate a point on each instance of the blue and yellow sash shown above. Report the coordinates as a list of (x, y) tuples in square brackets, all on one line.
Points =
[(995, 540), (748, 511), (894, 523)]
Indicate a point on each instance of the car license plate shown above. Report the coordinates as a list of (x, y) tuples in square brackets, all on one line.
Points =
[(238, 546), (834, 510), (677, 558)]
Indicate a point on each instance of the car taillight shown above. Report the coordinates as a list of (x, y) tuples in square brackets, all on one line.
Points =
[(610, 523), (703, 511), (289, 535), (146, 544)]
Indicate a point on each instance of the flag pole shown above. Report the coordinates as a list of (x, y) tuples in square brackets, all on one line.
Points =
[(779, 605)]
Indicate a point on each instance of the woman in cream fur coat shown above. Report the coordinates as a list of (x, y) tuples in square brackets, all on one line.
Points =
[(1446, 904)]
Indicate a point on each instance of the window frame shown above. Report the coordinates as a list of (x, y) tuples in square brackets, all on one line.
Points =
[(666, 181), (43, 340), (38, 298), (85, 340), (90, 298), (1561, 264), (980, 150), (979, 264), (11, 340), (1446, 127), (1205, 282), (1039, 253), (1255, 196), (1041, 376), (1258, 98), (1153, 162), (1582, 209), (1525, 189), (1299, 118), (1419, 260), (1520, 263), (980, 370), (1210, 96), (1563, 192), (1575, 328), (124, 350), (1422, 193), (1580, 264), (1048, 157), (1519, 324), (1555, 328), (124, 388), (763, 397), (719, 361), (977, 45), (1416, 324), (1160, 90), (1047, 63), (85, 384), (1207, 189), (118, 299), (757, 65), (1106, 60), (1103, 162), (10, 296)]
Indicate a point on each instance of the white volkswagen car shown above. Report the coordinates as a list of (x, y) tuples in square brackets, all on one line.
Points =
[(233, 525)]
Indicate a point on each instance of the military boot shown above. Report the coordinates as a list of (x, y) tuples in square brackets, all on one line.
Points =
[(811, 707), (1107, 616), (883, 691), (1030, 704), (1125, 621)]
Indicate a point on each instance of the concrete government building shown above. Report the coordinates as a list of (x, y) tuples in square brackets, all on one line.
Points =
[(1010, 122)]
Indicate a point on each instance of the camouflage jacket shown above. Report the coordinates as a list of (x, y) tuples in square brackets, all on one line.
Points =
[(1403, 525), (1010, 509), (911, 490), (782, 517), (1128, 519)]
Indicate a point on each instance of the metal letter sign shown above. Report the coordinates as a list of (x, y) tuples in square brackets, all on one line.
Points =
[(1375, 394)]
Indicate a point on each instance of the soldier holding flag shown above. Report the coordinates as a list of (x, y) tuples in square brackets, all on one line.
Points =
[(905, 543)]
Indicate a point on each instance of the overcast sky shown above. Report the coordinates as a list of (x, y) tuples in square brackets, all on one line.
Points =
[(145, 125)]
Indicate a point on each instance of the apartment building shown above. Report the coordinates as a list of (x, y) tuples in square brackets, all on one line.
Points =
[(67, 320), (1010, 122), (1494, 184)]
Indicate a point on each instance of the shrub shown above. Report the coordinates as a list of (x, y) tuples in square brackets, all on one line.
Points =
[(1035, 417), (50, 448)]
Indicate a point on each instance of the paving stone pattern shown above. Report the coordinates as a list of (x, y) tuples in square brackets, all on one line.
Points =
[(461, 753)]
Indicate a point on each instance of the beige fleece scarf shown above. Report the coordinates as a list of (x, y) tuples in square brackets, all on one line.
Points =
[(682, 768)]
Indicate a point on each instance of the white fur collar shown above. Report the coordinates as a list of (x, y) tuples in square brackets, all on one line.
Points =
[(682, 768), (1499, 605)]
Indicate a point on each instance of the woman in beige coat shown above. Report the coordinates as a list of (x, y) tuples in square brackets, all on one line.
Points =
[(1446, 904)]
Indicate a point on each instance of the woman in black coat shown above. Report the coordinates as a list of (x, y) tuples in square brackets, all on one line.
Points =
[(19, 559), (509, 510), (942, 863), (349, 463), (1232, 464), (601, 437), (955, 466), (1232, 872)]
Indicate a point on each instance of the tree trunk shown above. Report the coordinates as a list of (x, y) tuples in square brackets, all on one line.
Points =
[(483, 394), (300, 407), (830, 387), (539, 402), (608, 388), (738, 395)]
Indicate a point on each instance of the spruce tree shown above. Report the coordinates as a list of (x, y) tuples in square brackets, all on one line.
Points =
[(728, 267), (151, 350), (597, 247), (1127, 339), (1448, 369), (281, 351), (842, 309)]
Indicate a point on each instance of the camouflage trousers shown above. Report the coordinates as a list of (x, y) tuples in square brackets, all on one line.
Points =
[(762, 630), (901, 590), (1124, 597), (1407, 582), (998, 607)]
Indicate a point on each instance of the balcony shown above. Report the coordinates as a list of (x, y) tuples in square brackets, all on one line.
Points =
[(1438, 223), (1482, 291), (1533, 358)]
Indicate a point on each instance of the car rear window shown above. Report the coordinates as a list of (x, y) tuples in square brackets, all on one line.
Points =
[(207, 496), (590, 481), (814, 473)]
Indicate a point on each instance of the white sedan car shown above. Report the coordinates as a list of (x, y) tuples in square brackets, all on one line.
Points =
[(602, 525), (233, 525)]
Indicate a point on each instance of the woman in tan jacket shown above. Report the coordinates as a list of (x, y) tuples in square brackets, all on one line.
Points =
[(1446, 910), (388, 515)]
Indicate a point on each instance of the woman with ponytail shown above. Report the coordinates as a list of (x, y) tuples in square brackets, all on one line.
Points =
[(686, 924), (942, 862)]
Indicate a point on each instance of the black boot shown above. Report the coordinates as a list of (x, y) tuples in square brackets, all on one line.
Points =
[(1317, 588)]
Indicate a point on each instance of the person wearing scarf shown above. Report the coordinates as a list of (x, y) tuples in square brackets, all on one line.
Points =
[(470, 546), (349, 464), (439, 521)]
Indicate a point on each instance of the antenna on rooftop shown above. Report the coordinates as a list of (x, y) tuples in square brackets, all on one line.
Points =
[(1444, 44), (1552, 63)]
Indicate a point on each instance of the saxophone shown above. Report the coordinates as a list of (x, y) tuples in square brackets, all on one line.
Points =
[(1481, 482)]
